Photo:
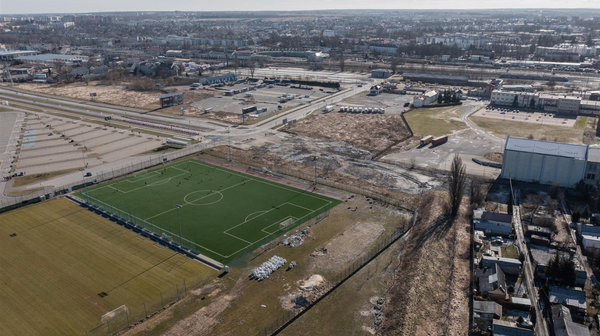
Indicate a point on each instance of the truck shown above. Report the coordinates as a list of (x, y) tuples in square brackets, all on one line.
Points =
[(426, 140), (328, 108), (439, 140)]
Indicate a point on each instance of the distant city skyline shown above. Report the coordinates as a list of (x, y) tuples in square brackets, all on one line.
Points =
[(78, 6)]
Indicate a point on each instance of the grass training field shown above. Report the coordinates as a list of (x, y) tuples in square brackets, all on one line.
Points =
[(435, 121), (64, 255), (222, 212)]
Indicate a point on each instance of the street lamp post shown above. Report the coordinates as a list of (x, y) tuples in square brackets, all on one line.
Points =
[(177, 206)]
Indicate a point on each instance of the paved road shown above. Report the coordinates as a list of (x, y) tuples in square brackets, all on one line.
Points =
[(541, 326), (10, 126), (218, 131)]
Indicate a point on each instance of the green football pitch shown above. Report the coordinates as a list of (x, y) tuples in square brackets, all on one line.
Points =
[(222, 212)]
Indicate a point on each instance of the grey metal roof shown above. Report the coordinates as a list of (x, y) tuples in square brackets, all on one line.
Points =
[(48, 57), (594, 154), (547, 148)]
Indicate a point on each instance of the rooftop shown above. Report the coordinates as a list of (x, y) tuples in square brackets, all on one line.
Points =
[(567, 296), (547, 148)]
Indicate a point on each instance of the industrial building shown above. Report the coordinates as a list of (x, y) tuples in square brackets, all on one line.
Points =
[(436, 79), (381, 73), (561, 104), (53, 59), (229, 77), (544, 162), (425, 99), (12, 54)]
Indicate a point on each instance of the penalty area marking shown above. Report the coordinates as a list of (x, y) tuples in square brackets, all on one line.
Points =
[(249, 217)]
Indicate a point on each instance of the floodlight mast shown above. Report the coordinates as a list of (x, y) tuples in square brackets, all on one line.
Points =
[(229, 147), (177, 206), (315, 160)]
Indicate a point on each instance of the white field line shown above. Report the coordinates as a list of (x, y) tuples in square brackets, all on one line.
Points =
[(226, 231), (277, 223), (164, 230), (221, 191)]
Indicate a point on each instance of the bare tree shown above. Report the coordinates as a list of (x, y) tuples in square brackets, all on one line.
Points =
[(456, 184), (394, 64), (252, 68)]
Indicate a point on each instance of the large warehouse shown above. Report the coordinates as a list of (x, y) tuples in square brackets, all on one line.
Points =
[(544, 162)]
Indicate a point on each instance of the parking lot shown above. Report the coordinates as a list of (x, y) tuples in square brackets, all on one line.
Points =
[(392, 103), (537, 117), (51, 144), (263, 97)]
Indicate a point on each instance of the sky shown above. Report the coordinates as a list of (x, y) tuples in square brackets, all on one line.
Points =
[(86, 6)]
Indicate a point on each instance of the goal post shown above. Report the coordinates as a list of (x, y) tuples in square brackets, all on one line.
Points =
[(286, 223), (117, 317)]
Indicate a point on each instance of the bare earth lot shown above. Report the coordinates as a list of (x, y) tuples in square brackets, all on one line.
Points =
[(365, 131), (435, 121), (110, 94), (502, 128)]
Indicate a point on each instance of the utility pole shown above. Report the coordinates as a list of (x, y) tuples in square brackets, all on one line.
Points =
[(315, 160), (177, 206)]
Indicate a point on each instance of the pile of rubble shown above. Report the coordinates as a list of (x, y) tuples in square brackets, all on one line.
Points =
[(265, 269)]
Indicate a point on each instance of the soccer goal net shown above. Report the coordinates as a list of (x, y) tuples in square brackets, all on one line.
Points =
[(116, 316), (286, 223)]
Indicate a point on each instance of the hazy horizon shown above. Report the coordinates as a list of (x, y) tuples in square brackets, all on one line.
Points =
[(77, 6)]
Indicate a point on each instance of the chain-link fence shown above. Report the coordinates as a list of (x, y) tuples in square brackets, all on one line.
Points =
[(121, 319), (103, 175), (281, 322)]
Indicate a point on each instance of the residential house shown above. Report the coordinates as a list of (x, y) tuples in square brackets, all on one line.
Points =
[(487, 309), (492, 283), (504, 328), (491, 223), (508, 265), (574, 299), (563, 324)]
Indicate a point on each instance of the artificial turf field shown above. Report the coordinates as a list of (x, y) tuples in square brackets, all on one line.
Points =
[(223, 212), (64, 255)]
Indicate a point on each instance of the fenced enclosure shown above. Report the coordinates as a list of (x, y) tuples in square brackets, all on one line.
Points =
[(311, 178), (279, 323)]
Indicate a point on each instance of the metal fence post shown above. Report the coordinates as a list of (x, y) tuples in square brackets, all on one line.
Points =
[(145, 311), (177, 289), (127, 317), (108, 324), (161, 300)]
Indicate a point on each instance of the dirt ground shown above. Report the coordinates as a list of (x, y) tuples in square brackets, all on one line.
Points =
[(590, 133), (189, 97), (110, 94), (236, 305), (365, 131), (429, 295), (346, 247), (494, 156)]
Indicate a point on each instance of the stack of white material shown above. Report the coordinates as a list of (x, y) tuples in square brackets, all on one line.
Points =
[(263, 271)]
